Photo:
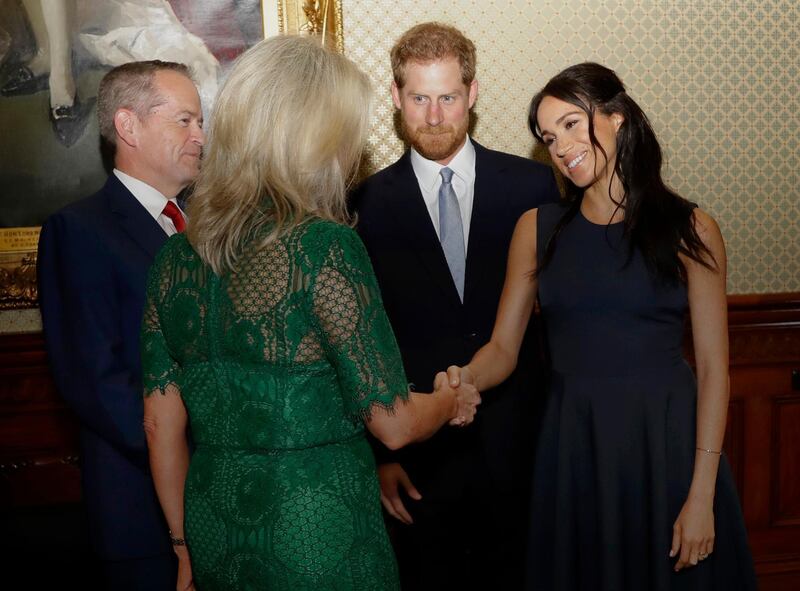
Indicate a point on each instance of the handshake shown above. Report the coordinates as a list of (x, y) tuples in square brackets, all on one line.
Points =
[(459, 383)]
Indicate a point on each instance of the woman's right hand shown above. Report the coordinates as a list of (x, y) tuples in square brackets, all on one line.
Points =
[(467, 397)]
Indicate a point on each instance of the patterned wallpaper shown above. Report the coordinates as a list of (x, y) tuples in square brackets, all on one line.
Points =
[(720, 81)]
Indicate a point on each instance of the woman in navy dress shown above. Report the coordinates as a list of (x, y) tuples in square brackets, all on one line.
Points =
[(631, 490)]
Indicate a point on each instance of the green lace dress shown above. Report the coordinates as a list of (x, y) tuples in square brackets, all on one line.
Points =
[(278, 364)]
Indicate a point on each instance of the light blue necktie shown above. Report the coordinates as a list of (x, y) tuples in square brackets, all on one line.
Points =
[(451, 231)]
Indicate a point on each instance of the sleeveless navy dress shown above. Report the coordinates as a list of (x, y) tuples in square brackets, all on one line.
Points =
[(617, 447)]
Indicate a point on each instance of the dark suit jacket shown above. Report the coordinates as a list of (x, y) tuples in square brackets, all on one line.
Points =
[(94, 256), (435, 330)]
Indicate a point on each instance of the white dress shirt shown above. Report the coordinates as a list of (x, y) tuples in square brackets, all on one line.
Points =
[(429, 180), (151, 199)]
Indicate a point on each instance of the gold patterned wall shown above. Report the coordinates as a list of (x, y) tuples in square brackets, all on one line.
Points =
[(719, 79)]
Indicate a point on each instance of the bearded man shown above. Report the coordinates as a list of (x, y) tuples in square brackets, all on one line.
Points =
[(437, 225)]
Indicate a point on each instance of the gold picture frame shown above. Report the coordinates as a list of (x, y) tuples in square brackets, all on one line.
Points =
[(312, 17), (18, 288)]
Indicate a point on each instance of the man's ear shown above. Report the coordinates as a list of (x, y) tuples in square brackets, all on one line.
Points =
[(396, 95), (127, 125), (473, 92)]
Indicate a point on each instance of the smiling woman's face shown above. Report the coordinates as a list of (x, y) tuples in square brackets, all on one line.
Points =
[(564, 129)]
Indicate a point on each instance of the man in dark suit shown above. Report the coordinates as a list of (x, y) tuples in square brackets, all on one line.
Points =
[(94, 256), (437, 225)]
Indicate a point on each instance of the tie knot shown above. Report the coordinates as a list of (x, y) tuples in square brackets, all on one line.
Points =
[(447, 175), (172, 212)]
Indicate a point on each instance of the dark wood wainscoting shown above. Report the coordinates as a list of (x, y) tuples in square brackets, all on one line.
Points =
[(763, 435), (38, 433), (39, 440)]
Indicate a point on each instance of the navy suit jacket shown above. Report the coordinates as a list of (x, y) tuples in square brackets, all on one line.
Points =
[(434, 329), (94, 256)]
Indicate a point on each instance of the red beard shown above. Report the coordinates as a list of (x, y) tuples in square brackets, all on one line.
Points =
[(435, 143)]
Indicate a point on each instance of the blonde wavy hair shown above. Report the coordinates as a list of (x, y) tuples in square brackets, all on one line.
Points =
[(287, 132)]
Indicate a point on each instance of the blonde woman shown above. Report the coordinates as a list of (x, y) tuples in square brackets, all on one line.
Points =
[(265, 333)]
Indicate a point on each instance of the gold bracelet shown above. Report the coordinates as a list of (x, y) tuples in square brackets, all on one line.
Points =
[(709, 451)]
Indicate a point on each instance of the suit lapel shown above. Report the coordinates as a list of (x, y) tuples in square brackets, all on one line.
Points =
[(134, 219), (488, 202), (409, 211)]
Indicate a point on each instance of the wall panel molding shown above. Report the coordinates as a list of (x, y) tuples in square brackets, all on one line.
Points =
[(785, 509), (38, 433), (764, 351)]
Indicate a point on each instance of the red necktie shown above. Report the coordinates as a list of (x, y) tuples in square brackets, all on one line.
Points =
[(172, 212)]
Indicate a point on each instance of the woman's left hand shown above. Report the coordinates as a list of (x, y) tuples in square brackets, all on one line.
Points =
[(693, 532)]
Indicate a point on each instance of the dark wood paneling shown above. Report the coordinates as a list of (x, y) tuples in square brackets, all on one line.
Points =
[(786, 462), (734, 442), (38, 433), (39, 446), (765, 349)]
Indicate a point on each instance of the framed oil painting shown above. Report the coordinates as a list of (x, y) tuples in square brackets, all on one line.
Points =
[(53, 54), (312, 17)]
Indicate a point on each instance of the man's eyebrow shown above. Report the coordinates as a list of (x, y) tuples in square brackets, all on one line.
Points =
[(448, 93)]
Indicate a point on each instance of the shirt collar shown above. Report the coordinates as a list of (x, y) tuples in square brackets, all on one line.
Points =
[(151, 198), (462, 165)]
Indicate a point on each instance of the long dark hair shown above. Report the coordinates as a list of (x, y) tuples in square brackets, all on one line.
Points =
[(658, 221)]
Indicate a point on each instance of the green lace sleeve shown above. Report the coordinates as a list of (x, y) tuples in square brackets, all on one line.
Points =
[(356, 333), (159, 368)]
